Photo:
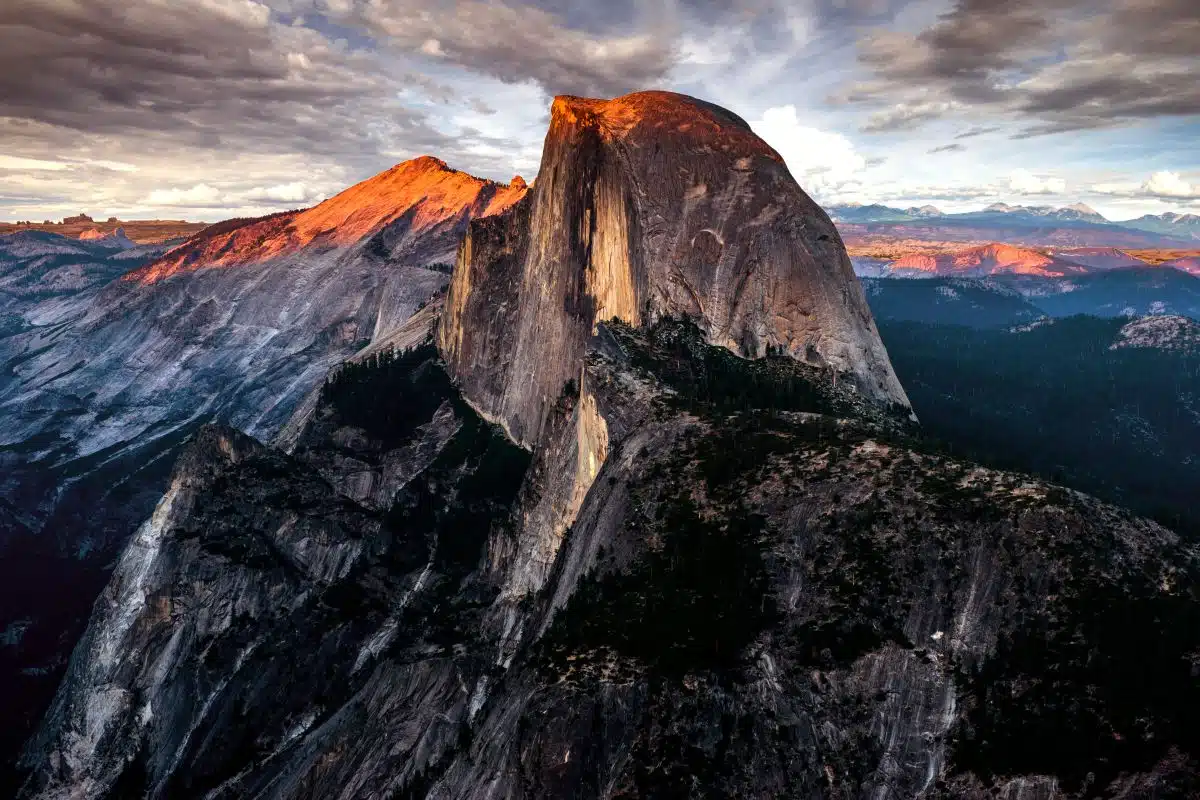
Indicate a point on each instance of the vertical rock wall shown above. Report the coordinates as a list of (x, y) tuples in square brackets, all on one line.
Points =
[(651, 205), (645, 206)]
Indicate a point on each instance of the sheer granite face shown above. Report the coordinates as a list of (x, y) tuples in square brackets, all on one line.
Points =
[(647, 206)]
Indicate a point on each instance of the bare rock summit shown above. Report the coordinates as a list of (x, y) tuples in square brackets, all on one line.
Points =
[(648, 206)]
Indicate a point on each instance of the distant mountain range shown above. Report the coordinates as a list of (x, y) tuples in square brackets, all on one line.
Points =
[(1074, 225), (990, 259), (81, 226), (916, 261), (1168, 223), (1006, 300), (1073, 212)]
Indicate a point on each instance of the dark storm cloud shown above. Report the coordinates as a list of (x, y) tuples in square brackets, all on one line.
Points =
[(1155, 27), (236, 74), (234, 104), (588, 47), (905, 117), (210, 73), (1056, 64), (826, 14), (979, 131), (520, 43), (1111, 89)]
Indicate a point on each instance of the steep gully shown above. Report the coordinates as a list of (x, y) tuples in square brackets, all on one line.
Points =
[(636, 511)]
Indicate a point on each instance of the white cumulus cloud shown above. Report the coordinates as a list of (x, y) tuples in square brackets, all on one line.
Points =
[(821, 161), (1169, 184), (1124, 189), (198, 196), (1023, 181), (299, 61), (284, 193), (1163, 184), (17, 163)]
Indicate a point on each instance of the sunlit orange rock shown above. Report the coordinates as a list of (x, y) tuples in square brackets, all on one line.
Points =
[(988, 259), (424, 190)]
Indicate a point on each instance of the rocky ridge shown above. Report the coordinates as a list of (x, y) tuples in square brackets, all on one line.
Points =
[(1099, 257), (661, 569), (949, 301), (750, 602), (1188, 264), (115, 239), (104, 377), (416, 200)]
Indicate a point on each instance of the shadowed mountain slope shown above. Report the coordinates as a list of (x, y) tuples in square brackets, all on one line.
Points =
[(103, 378)]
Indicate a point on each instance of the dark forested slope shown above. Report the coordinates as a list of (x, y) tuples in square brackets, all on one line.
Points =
[(1059, 400)]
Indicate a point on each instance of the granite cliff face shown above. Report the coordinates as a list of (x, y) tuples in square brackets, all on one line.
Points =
[(648, 206), (112, 357), (750, 602), (551, 539)]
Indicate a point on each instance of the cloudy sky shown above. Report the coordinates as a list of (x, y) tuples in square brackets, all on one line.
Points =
[(205, 109)]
